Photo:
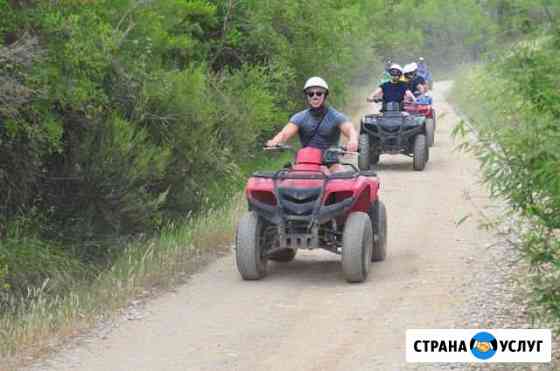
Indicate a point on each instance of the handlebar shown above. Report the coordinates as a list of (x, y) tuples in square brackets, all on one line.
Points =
[(278, 147), (341, 150)]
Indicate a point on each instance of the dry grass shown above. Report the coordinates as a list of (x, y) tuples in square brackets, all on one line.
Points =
[(39, 323)]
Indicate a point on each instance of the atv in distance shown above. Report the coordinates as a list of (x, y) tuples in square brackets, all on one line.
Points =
[(307, 206), (393, 131)]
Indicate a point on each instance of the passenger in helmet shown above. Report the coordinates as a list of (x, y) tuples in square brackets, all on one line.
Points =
[(394, 90), (388, 64), (320, 125), (386, 75), (424, 72), (416, 83)]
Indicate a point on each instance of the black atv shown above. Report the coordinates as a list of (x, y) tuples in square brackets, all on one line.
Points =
[(393, 131)]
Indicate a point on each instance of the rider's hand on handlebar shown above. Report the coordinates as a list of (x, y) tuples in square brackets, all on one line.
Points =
[(273, 146), (352, 146)]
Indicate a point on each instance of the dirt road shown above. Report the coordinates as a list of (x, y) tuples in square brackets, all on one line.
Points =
[(304, 316)]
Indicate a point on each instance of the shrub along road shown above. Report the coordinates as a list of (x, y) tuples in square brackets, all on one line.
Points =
[(304, 316)]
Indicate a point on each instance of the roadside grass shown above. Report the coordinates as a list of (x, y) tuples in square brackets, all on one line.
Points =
[(39, 322), (34, 324)]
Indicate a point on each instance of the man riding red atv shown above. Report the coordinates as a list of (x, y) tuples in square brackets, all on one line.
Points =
[(307, 206), (315, 203)]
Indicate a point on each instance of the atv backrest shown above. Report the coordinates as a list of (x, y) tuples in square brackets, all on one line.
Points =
[(309, 155), (391, 107)]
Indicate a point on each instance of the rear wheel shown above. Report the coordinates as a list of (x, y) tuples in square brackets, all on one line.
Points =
[(249, 243), (430, 132), (378, 216), (283, 256), (374, 152), (435, 126), (357, 243), (427, 154), (420, 152), (363, 149)]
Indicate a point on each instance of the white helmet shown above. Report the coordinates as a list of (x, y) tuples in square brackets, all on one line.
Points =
[(411, 67), (316, 82), (397, 67)]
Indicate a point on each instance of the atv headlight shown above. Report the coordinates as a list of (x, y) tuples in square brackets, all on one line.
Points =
[(264, 197)]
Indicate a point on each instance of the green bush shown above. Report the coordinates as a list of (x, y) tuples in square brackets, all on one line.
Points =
[(513, 105), (27, 261)]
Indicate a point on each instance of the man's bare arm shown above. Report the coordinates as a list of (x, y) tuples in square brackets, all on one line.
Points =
[(284, 135), (377, 93), (351, 133)]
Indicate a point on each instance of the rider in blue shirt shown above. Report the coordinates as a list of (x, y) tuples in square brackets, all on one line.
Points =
[(394, 90), (320, 125)]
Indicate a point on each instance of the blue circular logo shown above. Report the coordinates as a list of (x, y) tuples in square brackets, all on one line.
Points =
[(483, 345)]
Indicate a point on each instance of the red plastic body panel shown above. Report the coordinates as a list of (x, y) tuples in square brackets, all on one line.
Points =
[(364, 189), (420, 109), (308, 160)]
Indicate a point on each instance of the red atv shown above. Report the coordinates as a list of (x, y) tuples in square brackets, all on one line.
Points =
[(423, 107), (306, 206)]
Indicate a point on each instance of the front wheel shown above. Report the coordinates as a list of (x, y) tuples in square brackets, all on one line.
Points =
[(249, 243), (430, 132), (378, 215), (363, 149), (357, 243)]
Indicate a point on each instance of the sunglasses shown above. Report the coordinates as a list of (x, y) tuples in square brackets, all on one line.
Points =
[(395, 74), (311, 94)]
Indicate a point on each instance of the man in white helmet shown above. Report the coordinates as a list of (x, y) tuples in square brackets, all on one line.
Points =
[(416, 83), (320, 125), (394, 90)]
